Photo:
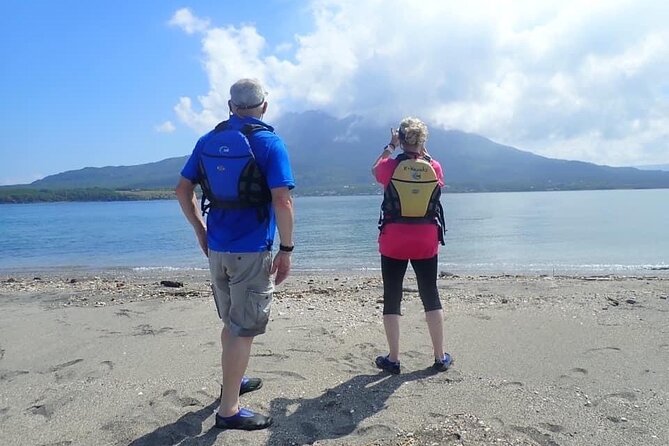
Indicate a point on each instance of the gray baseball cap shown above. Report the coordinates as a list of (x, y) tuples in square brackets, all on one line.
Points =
[(247, 94)]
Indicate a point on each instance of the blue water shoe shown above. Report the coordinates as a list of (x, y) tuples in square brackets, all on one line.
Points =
[(386, 364), (443, 364)]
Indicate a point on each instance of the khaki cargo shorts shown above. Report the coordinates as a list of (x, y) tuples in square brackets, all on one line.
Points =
[(242, 290)]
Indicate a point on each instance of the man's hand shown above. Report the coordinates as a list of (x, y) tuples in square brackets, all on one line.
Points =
[(281, 266), (188, 201), (202, 241)]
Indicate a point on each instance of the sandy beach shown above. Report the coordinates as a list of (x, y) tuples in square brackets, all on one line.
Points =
[(117, 358)]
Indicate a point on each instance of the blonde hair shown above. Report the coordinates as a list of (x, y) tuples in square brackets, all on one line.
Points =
[(413, 131)]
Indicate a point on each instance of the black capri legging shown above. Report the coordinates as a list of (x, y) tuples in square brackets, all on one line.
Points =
[(393, 270)]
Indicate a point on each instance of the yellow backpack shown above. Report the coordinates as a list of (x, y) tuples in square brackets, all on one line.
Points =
[(413, 195)]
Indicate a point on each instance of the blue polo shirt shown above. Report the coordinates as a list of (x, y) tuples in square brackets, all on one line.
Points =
[(238, 230)]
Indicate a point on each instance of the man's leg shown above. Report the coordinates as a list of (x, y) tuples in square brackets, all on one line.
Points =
[(234, 360), (250, 298)]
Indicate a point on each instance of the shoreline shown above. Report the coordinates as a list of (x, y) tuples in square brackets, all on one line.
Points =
[(539, 360), (659, 272)]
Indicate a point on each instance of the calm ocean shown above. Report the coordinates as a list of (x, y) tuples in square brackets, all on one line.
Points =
[(585, 232)]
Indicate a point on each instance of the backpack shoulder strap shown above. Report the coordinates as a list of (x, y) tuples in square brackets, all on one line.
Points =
[(249, 129), (221, 126), (401, 157)]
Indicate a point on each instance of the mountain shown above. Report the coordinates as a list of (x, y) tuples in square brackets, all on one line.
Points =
[(328, 153), (664, 167), (158, 175), (334, 156)]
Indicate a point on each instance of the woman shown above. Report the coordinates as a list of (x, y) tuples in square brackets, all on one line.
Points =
[(411, 228)]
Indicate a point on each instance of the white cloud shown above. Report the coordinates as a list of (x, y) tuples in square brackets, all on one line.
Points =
[(569, 79), (185, 20), (165, 127)]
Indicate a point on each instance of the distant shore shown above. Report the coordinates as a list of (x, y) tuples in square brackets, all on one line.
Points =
[(26, 195), (119, 358)]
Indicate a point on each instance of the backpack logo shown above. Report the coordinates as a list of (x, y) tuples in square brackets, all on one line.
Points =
[(223, 149)]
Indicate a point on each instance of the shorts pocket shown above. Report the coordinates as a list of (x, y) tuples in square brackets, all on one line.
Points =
[(257, 308)]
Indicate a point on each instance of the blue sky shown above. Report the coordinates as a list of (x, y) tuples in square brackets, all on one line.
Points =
[(86, 83), (90, 83)]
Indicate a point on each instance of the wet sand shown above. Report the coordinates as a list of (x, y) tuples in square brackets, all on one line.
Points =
[(117, 358)]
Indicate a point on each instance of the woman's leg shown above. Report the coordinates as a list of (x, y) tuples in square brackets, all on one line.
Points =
[(392, 271), (426, 276), (435, 325)]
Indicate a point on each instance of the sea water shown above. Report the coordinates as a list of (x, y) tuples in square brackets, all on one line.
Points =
[(580, 232)]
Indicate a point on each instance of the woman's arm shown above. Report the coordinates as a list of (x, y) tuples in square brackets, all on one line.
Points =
[(388, 149)]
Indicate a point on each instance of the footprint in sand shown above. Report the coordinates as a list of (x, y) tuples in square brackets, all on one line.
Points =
[(452, 376), (2, 353), (9, 375), (64, 371), (602, 349), (108, 333), (353, 362), (124, 312), (146, 329), (3, 414), (413, 354), (376, 431), (620, 396), (305, 350), (496, 423), (102, 369), (59, 367), (536, 435), (365, 346), (172, 396), (270, 354), (45, 410), (67, 372), (286, 374), (575, 373), (555, 428), (60, 443)]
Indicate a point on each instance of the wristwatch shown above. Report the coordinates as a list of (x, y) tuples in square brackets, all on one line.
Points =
[(285, 248)]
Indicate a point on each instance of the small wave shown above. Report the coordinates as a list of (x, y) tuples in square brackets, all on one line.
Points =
[(554, 268), (166, 268), (334, 269)]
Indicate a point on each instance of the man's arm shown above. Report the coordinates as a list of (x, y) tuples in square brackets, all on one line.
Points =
[(185, 191), (282, 201)]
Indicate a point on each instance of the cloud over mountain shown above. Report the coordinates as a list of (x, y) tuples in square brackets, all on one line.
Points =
[(567, 79)]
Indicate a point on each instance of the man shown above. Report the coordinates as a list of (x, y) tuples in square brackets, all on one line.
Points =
[(239, 235)]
